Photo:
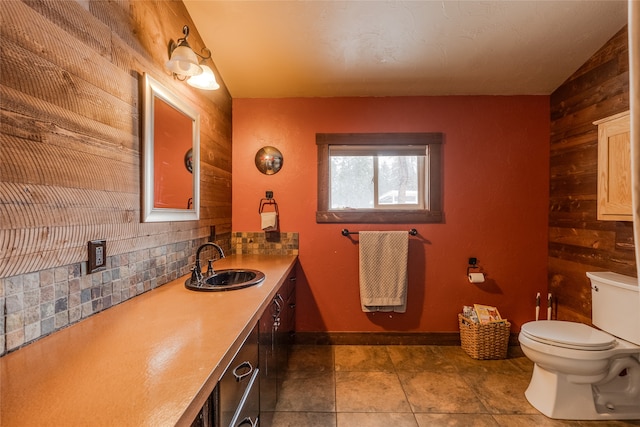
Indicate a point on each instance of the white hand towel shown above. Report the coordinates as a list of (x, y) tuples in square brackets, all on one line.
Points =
[(383, 270), (269, 221)]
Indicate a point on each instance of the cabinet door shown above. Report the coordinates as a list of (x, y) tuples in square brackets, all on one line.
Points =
[(289, 308), (286, 327), (268, 365), (614, 168), (277, 326), (205, 416)]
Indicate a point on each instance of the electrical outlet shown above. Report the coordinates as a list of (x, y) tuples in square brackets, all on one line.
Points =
[(97, 255)]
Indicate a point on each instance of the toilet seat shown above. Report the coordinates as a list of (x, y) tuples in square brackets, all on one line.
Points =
[(570, 335)]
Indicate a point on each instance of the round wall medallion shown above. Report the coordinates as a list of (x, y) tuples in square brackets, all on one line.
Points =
[(188, 160), (269, 160)]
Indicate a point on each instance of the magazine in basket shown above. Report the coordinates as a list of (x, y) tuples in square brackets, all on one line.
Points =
[(487, 314)]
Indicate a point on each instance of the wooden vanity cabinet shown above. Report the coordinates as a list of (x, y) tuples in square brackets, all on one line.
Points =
[(268, 327), (290, 307), (277, 329), (205, 416), (264, 353), (236, 399), (614, 168), (287, 327), (237, 391)]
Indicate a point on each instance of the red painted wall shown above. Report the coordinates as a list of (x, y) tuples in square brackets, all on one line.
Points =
[(496, 195)]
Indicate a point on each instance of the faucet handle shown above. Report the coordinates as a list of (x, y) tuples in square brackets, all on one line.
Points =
[(210, 266), (196, 275)]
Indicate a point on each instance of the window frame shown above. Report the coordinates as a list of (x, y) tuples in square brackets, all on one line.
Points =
[(433, 209)]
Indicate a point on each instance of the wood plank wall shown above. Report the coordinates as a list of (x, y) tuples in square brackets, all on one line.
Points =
[(70, 125), (578, 242)]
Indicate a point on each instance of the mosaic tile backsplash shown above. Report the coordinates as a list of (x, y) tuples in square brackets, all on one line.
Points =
[(273, 243), (35, 304)]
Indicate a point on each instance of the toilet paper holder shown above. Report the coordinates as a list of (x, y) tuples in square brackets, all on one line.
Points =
[(474, 277), (473, 264)]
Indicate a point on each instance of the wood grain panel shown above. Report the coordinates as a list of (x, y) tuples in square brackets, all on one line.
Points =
[(17, 246), (578, 184), (572, 211), (75, 205), (70, 130), (562, 142), (578, 242), (615, 49), (74, 18), (622, 262), (571, 290), (29, 117), (595, 239), (61, 88), (581, 96), (574, 160), (50, 42), (624, 236), (582, 120), (61, 166)]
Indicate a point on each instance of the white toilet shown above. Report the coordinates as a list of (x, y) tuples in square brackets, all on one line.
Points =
[(583, 373)]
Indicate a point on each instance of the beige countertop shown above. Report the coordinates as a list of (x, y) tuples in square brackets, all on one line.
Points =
[(150, 361)]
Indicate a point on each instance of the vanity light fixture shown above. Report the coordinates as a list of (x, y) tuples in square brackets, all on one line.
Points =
[(185, 64), (206, 80)]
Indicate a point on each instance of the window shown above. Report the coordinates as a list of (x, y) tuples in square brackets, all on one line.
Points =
[(376, 177), (379, 178)]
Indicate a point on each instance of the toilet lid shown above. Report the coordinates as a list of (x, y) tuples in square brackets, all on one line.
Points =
[(571, 335)]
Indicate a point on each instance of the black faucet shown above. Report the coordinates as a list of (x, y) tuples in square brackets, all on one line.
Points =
[(196, 274)]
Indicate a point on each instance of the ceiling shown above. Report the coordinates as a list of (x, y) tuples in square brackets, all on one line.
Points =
[(274, 49)]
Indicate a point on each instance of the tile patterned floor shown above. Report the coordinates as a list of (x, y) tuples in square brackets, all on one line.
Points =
[(408, 386)]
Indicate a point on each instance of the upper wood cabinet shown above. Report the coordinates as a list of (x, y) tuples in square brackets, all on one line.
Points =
[(614, 168)]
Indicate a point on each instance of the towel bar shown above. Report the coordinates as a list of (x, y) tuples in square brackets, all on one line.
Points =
[(346, 232)]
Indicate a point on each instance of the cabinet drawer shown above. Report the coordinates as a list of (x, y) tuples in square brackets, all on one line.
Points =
[(237, 378), (248, 412)]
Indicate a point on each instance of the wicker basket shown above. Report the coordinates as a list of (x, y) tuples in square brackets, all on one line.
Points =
[(488, 341)]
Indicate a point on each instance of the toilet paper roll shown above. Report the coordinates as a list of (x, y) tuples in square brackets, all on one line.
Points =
[(476, 277)]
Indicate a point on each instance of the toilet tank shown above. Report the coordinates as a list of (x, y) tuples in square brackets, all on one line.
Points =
[(616, 304)]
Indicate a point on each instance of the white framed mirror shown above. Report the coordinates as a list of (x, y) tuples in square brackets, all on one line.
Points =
[(171, 156)]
